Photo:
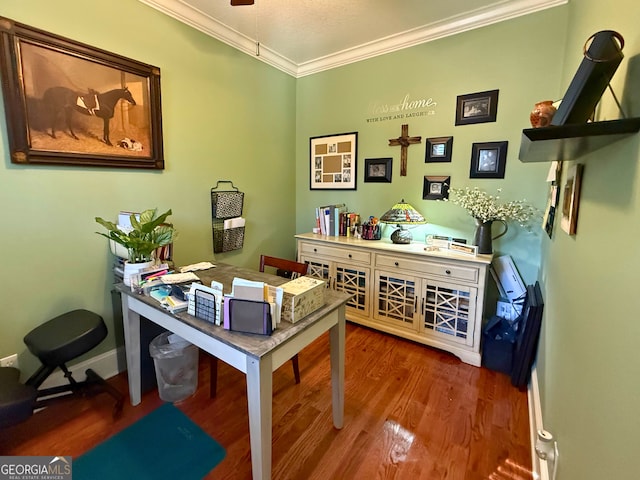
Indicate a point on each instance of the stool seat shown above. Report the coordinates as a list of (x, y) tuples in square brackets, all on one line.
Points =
[(66, 336), (16, 399)]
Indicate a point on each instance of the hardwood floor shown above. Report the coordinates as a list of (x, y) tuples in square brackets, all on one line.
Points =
[(411, 412)]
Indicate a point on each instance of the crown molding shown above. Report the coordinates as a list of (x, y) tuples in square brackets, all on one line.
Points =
[(214, 28), (445, 28)]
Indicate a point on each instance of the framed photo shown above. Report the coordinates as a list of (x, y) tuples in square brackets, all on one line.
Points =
[(571, 199), (333, 161), (377, 170), (436, 188), (438, 149), (68, 103), (488, 160), (480, 107)]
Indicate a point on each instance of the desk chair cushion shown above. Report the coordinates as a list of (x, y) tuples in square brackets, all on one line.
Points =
[(66, 337), (16, 399)]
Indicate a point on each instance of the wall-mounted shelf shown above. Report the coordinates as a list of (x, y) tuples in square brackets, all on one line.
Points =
[(568, 142)]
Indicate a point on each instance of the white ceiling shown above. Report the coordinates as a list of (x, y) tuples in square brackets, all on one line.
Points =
[(301, 37)]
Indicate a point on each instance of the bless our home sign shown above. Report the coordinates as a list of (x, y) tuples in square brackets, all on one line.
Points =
[(406, 108)]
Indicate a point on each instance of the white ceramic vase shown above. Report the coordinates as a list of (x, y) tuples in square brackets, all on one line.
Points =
[(133, 269)]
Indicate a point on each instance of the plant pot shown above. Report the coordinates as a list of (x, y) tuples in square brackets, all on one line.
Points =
[(133, 269)]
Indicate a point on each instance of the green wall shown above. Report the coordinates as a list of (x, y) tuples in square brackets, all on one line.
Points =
[(501, 56), (225, 116), (588, 364)]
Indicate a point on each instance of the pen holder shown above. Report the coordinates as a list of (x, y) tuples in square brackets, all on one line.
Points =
[(371, 232)]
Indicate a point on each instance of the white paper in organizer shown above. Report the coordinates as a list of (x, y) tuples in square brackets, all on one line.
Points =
[(234, 223)]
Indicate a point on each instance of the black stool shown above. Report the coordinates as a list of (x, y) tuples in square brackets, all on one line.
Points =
[(55, 343), (16, 399)]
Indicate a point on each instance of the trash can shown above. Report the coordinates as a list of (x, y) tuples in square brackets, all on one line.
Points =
[(176, 365), (498, 344)]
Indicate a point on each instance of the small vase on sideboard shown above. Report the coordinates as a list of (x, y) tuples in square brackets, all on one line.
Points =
[(484, 237)]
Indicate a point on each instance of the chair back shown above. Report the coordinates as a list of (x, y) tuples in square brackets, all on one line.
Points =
[(284, 267)]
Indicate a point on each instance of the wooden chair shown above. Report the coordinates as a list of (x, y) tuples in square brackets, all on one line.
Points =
[(283, 268)]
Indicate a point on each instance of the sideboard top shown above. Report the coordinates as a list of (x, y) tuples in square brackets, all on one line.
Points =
[(385, 245)]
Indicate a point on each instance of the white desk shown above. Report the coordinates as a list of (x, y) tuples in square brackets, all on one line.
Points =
[(255, 355)]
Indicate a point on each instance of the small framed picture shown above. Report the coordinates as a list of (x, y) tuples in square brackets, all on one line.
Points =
[(438, 149), (332, 160), (571, 199), (480, 107), (377, 170), (436, 188), (488, 160)]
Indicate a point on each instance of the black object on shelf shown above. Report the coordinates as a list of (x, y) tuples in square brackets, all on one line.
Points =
[(568, 142), (600, 62)]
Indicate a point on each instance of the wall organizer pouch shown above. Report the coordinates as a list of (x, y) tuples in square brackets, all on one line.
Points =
[(226, 218)]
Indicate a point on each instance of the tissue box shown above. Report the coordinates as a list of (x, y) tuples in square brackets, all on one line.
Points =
[(302, 296)]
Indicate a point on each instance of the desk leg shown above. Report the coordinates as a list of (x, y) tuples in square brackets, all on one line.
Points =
[(337, 345), (131, 324), (260, 398)]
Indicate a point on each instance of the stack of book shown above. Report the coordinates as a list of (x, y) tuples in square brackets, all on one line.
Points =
[(336, 220)]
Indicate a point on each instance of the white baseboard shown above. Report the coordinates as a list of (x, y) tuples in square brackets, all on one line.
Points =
[(106, 365), (540, 468)]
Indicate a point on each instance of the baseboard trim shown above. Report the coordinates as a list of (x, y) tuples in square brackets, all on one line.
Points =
[(540, 468), (106, 365)]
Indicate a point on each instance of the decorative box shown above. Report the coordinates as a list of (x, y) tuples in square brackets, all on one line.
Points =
[(302, 296)]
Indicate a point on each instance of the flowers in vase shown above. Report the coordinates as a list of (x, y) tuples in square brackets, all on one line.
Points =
[(484, 207)]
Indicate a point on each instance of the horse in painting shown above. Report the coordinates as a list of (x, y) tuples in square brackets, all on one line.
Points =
[(102, 105)]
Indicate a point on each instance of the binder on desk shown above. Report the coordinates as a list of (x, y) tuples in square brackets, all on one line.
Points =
[(248, 316)]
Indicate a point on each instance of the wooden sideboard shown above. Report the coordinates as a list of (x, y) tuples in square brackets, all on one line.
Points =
[(432, 297)]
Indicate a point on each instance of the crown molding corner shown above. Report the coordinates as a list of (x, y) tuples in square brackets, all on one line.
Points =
[(500, 12), (212, 27)]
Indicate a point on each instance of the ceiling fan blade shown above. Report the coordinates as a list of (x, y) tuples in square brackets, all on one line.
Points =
[(235, 3)]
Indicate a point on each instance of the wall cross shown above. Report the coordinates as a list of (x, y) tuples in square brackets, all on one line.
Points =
[(404, 141)]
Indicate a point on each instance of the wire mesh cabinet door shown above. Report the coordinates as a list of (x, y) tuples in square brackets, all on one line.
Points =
[(448, 311), (396, 299), (354, 279)]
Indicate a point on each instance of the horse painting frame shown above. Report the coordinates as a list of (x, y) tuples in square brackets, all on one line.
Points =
[(67, 103)]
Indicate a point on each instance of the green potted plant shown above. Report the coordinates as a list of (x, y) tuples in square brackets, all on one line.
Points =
[(147, 233)]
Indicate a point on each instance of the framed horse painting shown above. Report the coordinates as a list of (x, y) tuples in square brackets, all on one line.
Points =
[(67, 103)]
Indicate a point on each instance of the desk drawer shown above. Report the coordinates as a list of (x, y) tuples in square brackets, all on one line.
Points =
[(442, 269), (335, 252)]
